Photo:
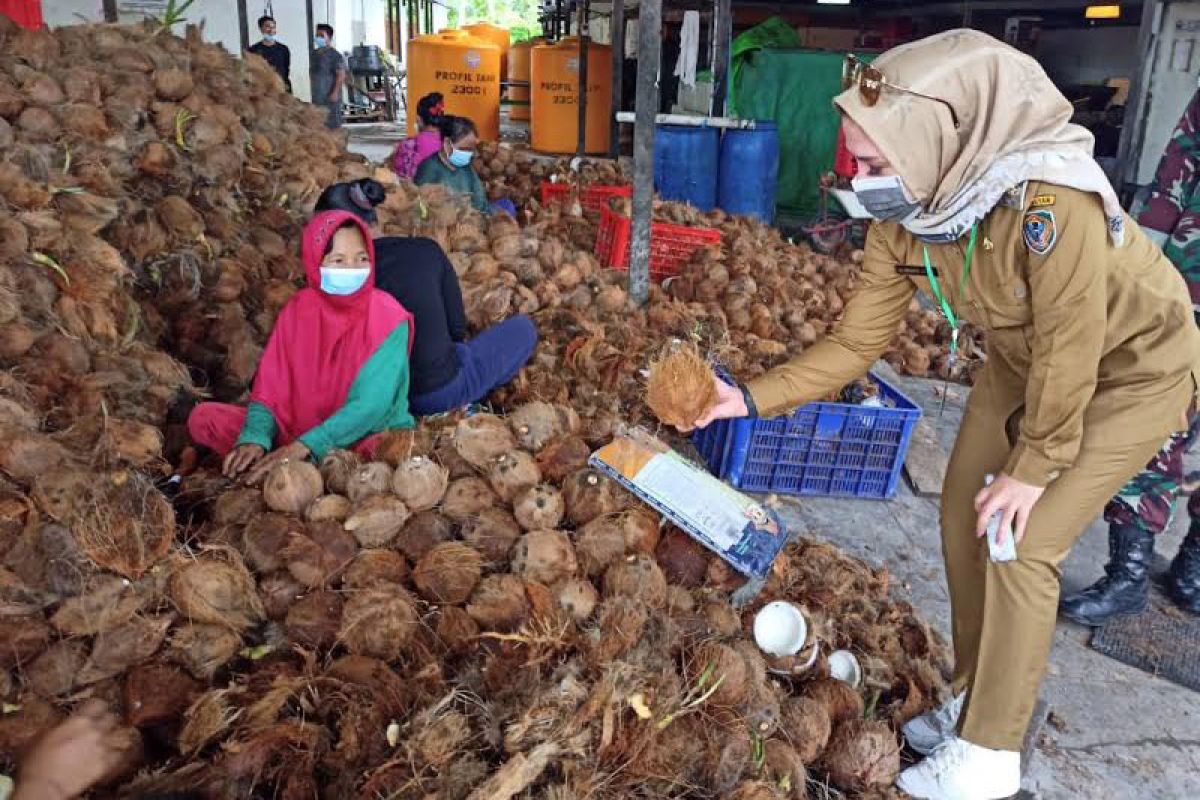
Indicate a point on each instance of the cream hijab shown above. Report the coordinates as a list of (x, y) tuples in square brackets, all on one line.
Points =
[(1013, 127)]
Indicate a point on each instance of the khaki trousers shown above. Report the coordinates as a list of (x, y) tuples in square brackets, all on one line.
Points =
[(1004, 614)]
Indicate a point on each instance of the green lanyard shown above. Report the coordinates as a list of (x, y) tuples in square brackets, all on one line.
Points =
[(941, 298)]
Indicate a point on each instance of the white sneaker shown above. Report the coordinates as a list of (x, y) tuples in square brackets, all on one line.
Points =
[(926, 732), (959, 770)]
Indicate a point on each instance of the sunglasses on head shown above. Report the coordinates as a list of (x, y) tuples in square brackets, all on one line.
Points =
[(871, 83)]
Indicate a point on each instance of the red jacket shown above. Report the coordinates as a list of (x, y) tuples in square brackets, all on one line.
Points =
[(26, 13)]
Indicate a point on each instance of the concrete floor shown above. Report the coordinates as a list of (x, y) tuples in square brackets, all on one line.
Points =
[(1119, 732)]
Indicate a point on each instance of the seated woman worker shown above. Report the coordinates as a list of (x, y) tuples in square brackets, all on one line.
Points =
[(989, 201), (447, 370), (451, 166), (335, 370)]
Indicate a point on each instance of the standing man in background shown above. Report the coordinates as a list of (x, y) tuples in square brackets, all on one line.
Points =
[(275, 54), (328, 72)]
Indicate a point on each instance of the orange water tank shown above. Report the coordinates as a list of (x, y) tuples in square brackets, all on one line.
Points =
[(497, 36), (465, 69), (554, 75), (518, 70)]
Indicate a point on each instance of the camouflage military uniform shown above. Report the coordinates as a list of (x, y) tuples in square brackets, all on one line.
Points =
[(1171, 217)]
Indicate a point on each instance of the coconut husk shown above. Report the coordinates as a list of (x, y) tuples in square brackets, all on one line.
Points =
[(492, 532), (756, 790), (466, 498), (156, 693), (806, 726), (512, 473), (131, 442), (589, 494), (329, 508), (448, 573), (387, 689), (106, 603), (264, 539), (841, 701), (722, 663), (203, 649), (55, 672), (60, 493), (292, 486), (369, 480), (124, 524), (620, 622), (378, 623), (420, 482), (376, 569), (499, 603), (578, 597), (599, 545), (277, 593), (314, 620), (456, 629), (681, 387), (720, 618), (377, 519), (482, 438), (337, 468), (422, 532), (318, 560), (544, 556), (637, 576), (862, 755), (537, 424), (22, 638), (539, 508), (119, 648), (238, 506), (216, 589), (562, 456), (397, 446)]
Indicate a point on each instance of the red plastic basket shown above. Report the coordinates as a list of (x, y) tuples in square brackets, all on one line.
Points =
[(671, 246), (593, 198)]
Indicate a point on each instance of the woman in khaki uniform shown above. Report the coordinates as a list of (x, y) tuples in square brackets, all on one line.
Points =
[(999, 212)]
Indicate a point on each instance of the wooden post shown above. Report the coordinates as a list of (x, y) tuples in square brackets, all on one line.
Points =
[(722, 34), (243, 25), (617, 27), (110, 10), (646, 109), (581, 141)]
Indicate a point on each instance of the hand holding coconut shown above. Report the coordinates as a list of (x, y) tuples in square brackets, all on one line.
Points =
[(241, 458), (296, 451), (731, 404)]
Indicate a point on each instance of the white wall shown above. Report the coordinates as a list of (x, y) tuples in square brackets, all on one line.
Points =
[(1176, 65)]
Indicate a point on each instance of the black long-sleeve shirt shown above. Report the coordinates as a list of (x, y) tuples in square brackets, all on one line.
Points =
[(416, 272), (279, 57)]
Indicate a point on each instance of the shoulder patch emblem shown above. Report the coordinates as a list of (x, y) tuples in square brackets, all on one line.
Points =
[(1040, 230), (1042, 201)]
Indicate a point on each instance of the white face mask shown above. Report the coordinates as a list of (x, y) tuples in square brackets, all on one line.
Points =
[(885, 198)]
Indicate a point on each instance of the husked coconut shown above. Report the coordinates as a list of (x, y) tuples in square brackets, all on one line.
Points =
[(499, 603), (422, 531), (369, 480), (328, 507), (862, 755), (841, 701), (264, 538), (375, 568), (578, 597), (448, 573), (512, 473), (637, 576), (482, 438), (291, 486), (493, 532), (466, 497), (536, 424), (544, 556), (220, 592), (540, 507), (337, 468), (590, 493), (724, 664), (377, 519), (456, 629), (562, 456), (420, 482), (805, 724)]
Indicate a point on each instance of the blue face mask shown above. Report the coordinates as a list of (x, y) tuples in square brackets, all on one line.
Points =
[(461, 158), (319, 42), (341, 281), (268, 37)]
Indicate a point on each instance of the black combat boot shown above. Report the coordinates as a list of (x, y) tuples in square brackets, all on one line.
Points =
[(1124, 588), (1183, 581)]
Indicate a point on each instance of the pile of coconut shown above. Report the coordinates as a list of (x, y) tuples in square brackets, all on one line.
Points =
[(515, 173), (478, 611)]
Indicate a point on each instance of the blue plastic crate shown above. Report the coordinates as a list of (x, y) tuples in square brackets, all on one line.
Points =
[(828, 449)]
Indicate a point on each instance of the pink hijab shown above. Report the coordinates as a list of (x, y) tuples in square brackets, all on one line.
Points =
[(321, 341)]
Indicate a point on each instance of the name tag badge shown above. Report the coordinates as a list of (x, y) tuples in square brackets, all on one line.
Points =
[(914, 271)]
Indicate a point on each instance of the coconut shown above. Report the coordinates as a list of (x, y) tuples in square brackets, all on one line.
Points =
[(862, 755), (422, 531), (172, 83), (590, 493), (220, 592), (493, 532), (499, 603), (578, 597), (642, 531), (720, 618), (448, 457), (397, 446), (466, 497), (805, 724), (375, 568), (456, 629), (277, 593), (55, 672), (264, 538), (337, 468), (117, 649), (544, 556), (156, 693), (318, 559), (105, 603), (637, 576), (377, 519), (620, 622), (842, 703), (537, 424), (721, 663), (369, 480), (512, 473), (237, 506), (292, 486), (314, 620), (599, 544), (328, 507), (540, 507), (482, 438), (562, 456), (420, 483), (448, 573), (683, 560), (682, 386), (378, 623)]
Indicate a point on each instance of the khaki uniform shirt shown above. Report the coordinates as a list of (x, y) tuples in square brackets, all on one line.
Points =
[(1080, 334)]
